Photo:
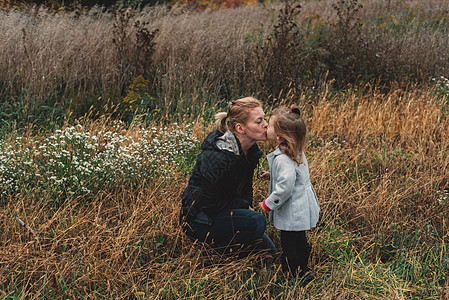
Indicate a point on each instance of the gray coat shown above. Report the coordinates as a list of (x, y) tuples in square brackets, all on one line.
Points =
[(292, 199)]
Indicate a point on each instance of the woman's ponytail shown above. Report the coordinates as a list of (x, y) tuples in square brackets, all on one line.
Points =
[(220, 122)]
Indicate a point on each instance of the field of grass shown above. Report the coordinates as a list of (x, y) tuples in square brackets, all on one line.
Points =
[(379, 163), (102, 117)]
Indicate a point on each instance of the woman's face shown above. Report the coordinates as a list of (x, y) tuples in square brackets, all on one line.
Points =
[(271, 134), (256, 126)]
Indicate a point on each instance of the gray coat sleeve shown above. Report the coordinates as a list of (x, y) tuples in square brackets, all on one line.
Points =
[(283, 175)]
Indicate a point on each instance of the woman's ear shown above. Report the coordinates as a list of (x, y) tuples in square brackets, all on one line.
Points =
[(239, 128)]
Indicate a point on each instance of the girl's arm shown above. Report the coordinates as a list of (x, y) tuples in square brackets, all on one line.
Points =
[(283, 184)]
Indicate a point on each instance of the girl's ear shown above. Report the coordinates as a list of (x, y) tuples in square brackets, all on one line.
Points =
[(279, 139), (239, 128)]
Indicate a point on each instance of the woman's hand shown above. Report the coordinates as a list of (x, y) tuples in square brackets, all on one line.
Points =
[(265, 175)]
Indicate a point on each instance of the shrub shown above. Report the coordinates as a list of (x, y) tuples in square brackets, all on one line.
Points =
[(345, 44), (134, 47), (138, 100)]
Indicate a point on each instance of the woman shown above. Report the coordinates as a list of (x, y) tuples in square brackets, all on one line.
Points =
[(217, 203)]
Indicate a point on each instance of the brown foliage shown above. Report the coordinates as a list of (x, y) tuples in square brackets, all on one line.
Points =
[(376, 161)]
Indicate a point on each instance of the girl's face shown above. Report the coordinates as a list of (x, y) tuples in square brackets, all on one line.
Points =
[(256, 126), (271, 135)]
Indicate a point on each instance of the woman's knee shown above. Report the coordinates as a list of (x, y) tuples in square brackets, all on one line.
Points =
[(259, 223), (243, 220)]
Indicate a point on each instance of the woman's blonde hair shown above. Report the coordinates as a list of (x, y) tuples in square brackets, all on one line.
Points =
[(238, 112), (291, 127)]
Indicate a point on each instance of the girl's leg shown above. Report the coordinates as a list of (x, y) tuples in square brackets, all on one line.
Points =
[(289, 260), (233, 229), (295, 252), (303, 253)]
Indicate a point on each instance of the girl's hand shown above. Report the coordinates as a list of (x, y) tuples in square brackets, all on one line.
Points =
[(263, 207), (265, 175)]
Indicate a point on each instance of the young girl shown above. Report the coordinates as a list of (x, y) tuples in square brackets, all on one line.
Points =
[(292, 201)]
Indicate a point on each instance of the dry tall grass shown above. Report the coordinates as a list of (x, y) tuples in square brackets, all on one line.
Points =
[(377, 162), (73, 55), (392, 150)]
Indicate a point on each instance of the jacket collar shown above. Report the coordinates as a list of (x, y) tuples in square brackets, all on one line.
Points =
[(275, 153), (272, 155), (228, 142)]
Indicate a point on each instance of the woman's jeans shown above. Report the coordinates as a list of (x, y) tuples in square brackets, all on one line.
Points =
[(234, 230)]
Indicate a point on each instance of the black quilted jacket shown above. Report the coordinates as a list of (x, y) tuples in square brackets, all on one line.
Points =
[(222, 179)]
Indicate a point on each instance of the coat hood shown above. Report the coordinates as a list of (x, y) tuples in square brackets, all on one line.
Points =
[(228, 142), (219, 141)]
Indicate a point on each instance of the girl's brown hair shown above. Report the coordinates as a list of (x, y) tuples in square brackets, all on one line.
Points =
[(238, 112), (290, 126)]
